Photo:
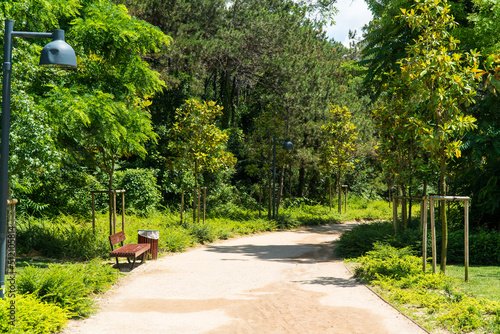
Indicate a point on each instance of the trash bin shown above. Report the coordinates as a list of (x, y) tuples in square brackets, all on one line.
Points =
[(149, 237)]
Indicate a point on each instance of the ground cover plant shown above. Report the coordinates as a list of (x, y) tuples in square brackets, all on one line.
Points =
[(434, 300), (50, 293)]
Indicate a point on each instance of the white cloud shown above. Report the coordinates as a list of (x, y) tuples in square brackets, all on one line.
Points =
[(352, 15)]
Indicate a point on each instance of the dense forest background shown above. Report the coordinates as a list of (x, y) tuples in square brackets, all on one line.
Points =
[(136, 114)]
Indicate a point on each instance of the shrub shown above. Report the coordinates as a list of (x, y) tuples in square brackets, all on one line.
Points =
[(61, 237), (68, 286), (361, 238), (32, 316), (53, 196), (466, 315), (175, 239), (142, 195), (203, 232), (389, 262), (397, 275)]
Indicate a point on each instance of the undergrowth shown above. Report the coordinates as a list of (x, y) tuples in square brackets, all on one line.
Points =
[(69, 286), (48, 296), (433, 299)]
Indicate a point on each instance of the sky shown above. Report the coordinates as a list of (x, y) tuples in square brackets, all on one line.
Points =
[(353, 15)]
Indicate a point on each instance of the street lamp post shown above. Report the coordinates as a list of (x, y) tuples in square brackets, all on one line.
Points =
[(287, 145), (56, 53)]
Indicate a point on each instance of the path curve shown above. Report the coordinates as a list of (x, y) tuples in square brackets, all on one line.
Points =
[(280, 282)]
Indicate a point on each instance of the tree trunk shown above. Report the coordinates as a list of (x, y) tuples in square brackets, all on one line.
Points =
[(195, 191), (404, 209), (399, 200), (409, 204), (330, 193), (339, 191), (260, 202), (270, 203), (444, 221), (225, 98)]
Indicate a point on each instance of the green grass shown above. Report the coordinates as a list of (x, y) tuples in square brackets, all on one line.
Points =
[(484, 281)]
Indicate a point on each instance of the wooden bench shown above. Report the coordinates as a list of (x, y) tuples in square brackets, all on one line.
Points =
[(130, 251)]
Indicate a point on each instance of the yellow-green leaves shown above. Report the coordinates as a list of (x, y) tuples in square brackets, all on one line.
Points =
[(196, 141), (440, 79), (339, 136)]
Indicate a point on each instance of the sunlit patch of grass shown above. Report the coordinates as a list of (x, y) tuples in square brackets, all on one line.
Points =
[(484, 281)]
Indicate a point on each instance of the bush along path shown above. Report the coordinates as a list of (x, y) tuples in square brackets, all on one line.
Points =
[(434, 300), (280, 282), (49, 295)]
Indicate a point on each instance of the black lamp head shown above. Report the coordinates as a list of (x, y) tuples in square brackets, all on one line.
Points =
[(287, 145)]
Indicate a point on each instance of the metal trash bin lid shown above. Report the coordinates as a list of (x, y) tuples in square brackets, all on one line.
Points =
[(150, 234)]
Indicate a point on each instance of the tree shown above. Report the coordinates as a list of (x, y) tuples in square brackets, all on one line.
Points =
[(404, 161), (196, 142), (259, 148), (339, 134), (441, 81), (104, 130), (99, 113)]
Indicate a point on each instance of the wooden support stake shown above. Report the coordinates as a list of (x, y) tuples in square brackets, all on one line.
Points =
[(345, 199), (93, 212), (114, 212), (395, 214), (433, 236), (182, 203), (123, 211), (424, 234), (204, 203), (198, 191), (466, 238)]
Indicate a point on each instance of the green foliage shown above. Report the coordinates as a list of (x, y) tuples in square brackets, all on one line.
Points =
[(196, 142), (100, 109), (482, 247), (202, 232), (33, 316), (337, 155), (434, 299), (465, 316), (141, 190), (68, 286), (388, 262), (62, 237), (176, 239), (485, 22), (361, 238), (47, 195), (103, 128)]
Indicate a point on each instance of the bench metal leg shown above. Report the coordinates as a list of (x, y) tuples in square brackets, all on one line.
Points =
[(133, 264)]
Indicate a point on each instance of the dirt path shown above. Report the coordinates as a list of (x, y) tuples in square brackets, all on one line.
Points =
[(283, 282)]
